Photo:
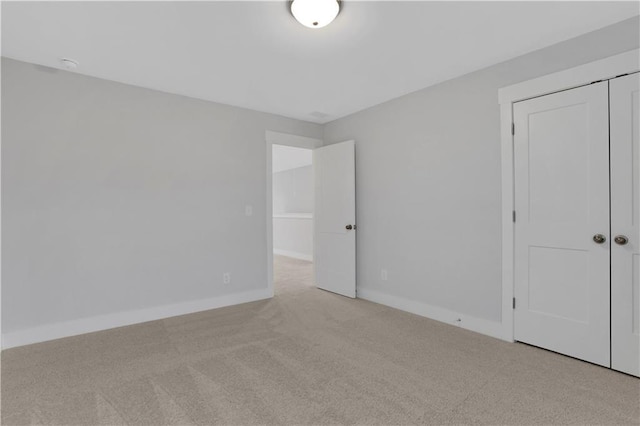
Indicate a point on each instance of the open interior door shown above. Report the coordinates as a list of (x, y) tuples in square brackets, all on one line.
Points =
[(335, 215)]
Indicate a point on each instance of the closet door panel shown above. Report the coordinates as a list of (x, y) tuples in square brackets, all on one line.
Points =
[(561, 157), (625, 223)]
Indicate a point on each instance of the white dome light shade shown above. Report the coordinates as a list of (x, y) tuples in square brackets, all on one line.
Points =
[(315, 13)]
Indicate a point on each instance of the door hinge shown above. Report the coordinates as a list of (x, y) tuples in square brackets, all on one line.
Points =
[(514, 303), (513, 128), (514, 216)]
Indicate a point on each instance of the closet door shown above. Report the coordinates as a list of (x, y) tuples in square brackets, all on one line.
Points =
[(625, 227), (562, 244)]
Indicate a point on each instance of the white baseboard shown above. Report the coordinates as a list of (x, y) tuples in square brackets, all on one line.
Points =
[(479, 325), (120, 319), (294, 254)]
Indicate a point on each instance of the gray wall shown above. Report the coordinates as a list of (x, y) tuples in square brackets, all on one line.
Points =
[(117, 198), (293, 190), (428, 179)]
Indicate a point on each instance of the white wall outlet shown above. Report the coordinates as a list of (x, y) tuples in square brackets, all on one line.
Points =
[(226, 278), (248, 210), (383, 275)]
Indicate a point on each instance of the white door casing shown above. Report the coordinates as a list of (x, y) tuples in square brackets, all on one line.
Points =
[(335, 210), (278, 138), (603, 69), (561, 165), (625, 217)]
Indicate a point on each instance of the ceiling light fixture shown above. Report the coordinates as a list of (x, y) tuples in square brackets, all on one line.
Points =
[(315, 13)]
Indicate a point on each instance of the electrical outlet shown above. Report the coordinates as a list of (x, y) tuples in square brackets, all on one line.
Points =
[(383, 275), (226, 278), (248, 210)]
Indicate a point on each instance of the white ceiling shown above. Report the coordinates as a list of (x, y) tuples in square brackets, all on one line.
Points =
[(255, 55), (289, 157)]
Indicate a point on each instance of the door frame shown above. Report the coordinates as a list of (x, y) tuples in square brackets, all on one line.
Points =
[(278, 138), (604, 69)]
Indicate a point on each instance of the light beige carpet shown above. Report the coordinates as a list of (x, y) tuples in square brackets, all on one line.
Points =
[(305, 357)]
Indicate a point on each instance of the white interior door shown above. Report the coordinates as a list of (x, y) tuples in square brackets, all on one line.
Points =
[(625, 229), (561, 157), (335, 215)]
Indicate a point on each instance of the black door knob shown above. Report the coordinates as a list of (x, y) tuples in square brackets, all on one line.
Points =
[(349, 227), (599, 238), (621, 240)]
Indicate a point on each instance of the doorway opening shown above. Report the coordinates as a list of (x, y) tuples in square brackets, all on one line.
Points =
[(292, 212), (332, 215)]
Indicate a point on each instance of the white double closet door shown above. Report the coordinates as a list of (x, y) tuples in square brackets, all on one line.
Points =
[(577, 237)]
